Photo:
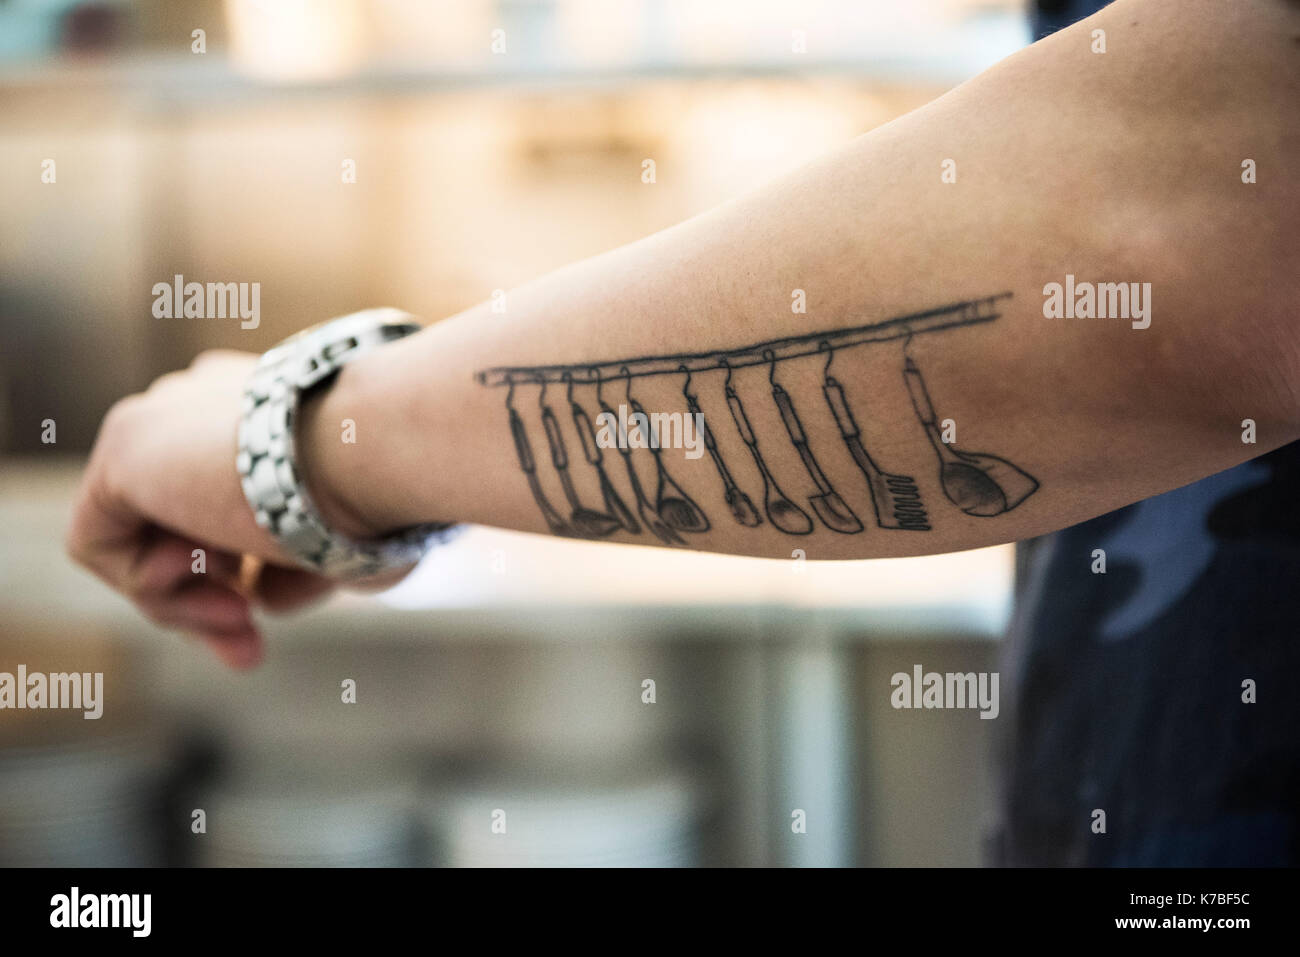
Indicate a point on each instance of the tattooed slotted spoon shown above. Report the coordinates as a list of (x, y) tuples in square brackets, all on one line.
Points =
[(977, 483)]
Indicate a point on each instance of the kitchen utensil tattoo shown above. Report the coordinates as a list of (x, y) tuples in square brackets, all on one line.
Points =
[(649, 516), (742, 509), (976, 483), (672, 504), (781, 512), (591, 450), (895, 498), (828, 505), (585, 522), (524, 449)]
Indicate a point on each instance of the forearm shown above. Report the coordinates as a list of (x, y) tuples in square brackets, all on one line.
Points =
[(1120, 167)]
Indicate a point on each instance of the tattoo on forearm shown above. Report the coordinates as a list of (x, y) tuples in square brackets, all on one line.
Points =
[(978, 484)]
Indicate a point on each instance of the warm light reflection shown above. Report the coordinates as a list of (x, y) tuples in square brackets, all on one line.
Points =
[(297, 40)]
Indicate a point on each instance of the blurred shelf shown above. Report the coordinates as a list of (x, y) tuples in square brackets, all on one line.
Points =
[(940, 54)]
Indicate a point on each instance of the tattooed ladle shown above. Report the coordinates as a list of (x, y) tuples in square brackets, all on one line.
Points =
[(673, 505), (649, 517), (977, 483)]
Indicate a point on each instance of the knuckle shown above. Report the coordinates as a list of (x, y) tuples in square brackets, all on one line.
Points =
[(116, 412), (113, 445), (205, 358), (212, 357), (120, 415), (166, 381)]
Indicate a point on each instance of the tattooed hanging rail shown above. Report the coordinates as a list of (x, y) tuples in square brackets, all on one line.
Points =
[(976, 483)]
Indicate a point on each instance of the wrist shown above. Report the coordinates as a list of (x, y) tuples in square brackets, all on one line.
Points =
[(342, 438), (381, 447), (278, 482)]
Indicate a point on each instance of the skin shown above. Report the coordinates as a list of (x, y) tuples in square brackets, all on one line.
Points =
[(1115, 167)]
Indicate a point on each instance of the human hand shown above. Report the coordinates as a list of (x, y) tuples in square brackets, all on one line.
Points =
[(161, 482)]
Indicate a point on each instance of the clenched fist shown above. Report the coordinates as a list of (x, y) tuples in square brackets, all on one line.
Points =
[(161, 483)]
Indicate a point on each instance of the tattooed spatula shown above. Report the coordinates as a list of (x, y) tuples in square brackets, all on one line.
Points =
[(895, 498)]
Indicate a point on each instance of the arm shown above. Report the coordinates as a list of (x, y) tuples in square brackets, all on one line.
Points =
[(1122, 167)]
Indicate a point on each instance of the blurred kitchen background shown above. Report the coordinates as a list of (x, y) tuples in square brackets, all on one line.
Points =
[(509, 673)]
